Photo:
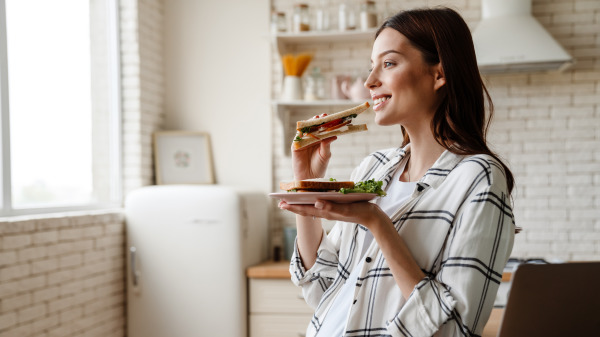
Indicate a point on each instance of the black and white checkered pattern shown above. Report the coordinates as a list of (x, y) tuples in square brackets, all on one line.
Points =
[(459, 226)]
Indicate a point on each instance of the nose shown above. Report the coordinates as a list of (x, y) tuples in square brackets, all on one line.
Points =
[(372, 81)]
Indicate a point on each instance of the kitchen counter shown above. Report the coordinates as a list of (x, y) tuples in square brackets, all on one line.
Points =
[(270, 269), (280, 270)]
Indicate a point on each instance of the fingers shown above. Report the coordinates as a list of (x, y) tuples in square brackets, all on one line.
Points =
[(321, 209)]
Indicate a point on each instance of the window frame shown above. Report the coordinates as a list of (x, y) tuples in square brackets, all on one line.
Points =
[(115, 136)]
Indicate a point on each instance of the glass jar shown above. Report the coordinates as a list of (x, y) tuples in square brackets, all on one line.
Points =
[(278, 23), (301, 18), (314, 88), (368, 15)]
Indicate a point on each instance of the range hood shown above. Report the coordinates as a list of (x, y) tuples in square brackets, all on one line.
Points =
[(510, 39)]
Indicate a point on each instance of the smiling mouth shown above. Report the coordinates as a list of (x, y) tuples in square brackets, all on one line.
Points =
[(381, 100)]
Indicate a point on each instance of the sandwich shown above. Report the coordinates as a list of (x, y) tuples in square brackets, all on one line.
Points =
[(332, 185), (325, 126), (316, 185)]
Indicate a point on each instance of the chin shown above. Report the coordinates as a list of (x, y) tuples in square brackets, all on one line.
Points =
[(383, 121)]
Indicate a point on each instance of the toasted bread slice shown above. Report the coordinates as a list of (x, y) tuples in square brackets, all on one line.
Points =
[(298, 144), (316, 121), (315, 185)]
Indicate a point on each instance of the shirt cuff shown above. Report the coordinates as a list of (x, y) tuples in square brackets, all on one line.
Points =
[(325, 265), (428, 307)]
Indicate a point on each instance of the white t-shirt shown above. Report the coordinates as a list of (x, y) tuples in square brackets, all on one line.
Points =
[(335, 321)]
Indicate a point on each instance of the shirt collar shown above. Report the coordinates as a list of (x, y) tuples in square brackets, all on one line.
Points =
[(446, 162)]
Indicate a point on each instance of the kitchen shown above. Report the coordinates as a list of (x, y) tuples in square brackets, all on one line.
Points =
[(184, 62)]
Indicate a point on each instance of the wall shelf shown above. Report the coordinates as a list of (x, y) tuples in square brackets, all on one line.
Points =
[(284, 42), (283, 39)]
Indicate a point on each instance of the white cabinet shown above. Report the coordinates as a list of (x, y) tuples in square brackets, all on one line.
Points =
[(277, 309)]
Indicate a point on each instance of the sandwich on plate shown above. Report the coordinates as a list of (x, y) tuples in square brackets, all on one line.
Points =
[(332, 185), (325, 126), (315, 185)]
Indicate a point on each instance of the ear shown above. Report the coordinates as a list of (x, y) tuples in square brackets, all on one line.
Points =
[(440, 78)]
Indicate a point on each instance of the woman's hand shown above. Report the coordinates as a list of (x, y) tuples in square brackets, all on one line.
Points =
[(365, 213), (311, 162)]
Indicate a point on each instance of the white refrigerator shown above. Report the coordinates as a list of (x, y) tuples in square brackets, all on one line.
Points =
[(188, 248)]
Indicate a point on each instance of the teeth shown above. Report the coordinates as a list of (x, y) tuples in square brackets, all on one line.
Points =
[(380, 100)]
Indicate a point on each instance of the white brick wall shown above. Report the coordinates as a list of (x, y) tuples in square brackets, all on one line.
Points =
[(63, 276), (143, 87), (546, 126)]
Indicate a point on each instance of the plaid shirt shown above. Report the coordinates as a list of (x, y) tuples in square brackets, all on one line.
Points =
[(459, 226)]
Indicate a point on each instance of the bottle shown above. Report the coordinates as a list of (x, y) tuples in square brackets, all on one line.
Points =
[(278, 23), (322, 17), (368, 15), (343, 17), (301, 18)]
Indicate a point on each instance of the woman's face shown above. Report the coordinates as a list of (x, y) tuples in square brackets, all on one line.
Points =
[(403, 87)]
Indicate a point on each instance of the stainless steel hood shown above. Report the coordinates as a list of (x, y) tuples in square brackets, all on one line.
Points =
[(510, 39)]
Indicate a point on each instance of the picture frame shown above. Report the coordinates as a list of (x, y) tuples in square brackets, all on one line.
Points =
[(183, 157)]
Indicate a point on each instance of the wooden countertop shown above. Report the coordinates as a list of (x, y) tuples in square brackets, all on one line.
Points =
[(280, 269), (270, 269)]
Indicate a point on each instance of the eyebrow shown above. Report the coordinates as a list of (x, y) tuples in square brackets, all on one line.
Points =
[(389, 51)]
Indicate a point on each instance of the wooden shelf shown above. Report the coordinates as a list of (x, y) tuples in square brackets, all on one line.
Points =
[(281, 40), (326, 36)]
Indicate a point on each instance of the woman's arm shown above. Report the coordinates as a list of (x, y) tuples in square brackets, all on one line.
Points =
[(308, 163), (401, 262)]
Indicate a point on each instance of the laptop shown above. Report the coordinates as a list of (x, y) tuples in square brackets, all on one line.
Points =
[(547, 300)]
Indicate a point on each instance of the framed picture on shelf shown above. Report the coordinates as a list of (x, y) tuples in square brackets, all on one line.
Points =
[(183, 157)]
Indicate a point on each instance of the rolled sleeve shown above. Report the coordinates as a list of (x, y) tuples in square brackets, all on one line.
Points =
[(318, 278), (427, 308)]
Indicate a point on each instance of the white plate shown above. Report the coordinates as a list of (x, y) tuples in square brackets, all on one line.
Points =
[(306, 198)]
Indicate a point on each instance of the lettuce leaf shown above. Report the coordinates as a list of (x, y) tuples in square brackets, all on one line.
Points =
[(368, 186)]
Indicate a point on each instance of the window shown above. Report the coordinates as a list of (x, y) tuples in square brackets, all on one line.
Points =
[(59, 98)]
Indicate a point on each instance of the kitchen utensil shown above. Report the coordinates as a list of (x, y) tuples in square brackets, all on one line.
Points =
[(294, 66)]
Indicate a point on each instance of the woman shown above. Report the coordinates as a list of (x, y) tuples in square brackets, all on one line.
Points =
[(427, 259)]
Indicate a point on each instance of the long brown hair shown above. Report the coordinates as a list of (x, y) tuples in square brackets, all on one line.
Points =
[(459, 124)]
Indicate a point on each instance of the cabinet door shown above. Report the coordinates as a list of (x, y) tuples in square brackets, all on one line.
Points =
[(276, 325), (277, 296)]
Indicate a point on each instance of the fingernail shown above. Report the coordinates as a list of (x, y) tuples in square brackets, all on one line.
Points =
[(318, 205)]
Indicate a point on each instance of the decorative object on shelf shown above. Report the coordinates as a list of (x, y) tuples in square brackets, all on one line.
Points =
[(278, 22), (301, 18), (183, 157), (336, 86), (368, 15), (294, 67), (315, 85), (356, 90)]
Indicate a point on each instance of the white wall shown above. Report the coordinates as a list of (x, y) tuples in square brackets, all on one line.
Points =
[(217, 80)]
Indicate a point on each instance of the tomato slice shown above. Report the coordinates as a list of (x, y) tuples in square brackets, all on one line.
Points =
[(337, 126), (330, 124)]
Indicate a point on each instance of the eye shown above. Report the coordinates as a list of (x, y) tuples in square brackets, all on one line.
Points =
[(387, 64)]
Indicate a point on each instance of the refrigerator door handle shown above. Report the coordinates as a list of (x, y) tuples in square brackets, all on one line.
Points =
[(134, 274)]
